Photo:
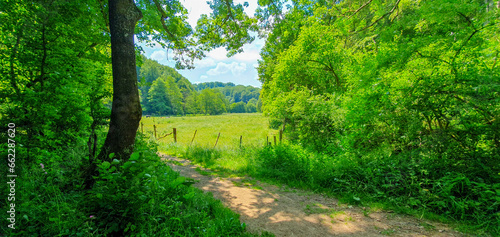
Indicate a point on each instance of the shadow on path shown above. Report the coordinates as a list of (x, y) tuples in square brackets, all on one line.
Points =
[(265, 207)]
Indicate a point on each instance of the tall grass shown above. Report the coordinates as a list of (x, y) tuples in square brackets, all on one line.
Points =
[(140, 197), (414, 183)]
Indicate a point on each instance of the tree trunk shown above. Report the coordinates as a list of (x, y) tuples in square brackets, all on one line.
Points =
[(126, 110)]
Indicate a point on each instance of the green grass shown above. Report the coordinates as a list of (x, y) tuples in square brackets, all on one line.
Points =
[(400, 183), (253, 128), (140, 197), (228, 157)]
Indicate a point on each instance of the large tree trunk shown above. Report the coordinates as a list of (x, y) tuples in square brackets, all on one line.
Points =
[(126, 110)]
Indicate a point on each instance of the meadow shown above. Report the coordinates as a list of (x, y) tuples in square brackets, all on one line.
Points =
[(253, 128)]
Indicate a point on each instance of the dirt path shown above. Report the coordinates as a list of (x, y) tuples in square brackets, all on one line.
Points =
[(290, 212)]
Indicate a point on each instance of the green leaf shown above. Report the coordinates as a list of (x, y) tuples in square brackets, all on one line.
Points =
[(177, 181), (188, 195), (105, 165), (111, 155), (134, 156)]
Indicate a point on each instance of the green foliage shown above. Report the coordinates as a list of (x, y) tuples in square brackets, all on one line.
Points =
[(211, 102), (241, 98), (285, 163), (142, 196), (238, 107), (203, 155), (399, 181), (227, 21), (165, 92), (124, 192), (240, 93), (212, 85), (159, 101), (51, 88), (397, 87)]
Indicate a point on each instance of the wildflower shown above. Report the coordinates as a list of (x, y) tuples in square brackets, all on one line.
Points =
[(43, 167), (91, 216)]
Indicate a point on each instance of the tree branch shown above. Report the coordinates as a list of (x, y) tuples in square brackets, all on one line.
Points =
[(383, 16), (163, 17), (359, 9), (463, 45)]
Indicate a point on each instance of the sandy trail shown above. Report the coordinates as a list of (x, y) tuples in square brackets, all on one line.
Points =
[(290, 212)]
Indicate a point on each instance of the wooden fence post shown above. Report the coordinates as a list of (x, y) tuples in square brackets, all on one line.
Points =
[(154, 126), (241, 138), (275, 140), (175, 135), (142, 127), (267, 141), (193, 137), (281, 135), (217, 140)]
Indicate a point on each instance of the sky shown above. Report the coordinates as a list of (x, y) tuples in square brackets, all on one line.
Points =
[(239, 69)]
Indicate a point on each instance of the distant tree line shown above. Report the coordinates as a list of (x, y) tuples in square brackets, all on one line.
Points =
[(164, 91)]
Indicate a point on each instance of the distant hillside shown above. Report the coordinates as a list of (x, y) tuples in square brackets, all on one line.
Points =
[(164, 91), (234, 93), (212, 85)]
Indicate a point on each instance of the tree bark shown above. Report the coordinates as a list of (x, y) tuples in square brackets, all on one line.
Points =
[(126, 109)]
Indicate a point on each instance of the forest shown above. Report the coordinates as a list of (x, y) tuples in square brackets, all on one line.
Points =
[(163, 91), (381, 103)]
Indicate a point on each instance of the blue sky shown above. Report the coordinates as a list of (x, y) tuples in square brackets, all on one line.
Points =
[(239, 69)]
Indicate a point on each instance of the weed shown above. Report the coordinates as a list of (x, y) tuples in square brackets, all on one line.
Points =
[(316, 209), (203, 172), (427, 226), (387, 232)]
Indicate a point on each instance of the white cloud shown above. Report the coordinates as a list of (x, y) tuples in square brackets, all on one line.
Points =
[(197, 7), (248, 56), (238, 69), (218, 54), (208, 62), (223, 68), (203, 77), (159, 55)]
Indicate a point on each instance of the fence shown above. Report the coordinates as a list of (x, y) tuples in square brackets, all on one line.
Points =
[(174, 133)]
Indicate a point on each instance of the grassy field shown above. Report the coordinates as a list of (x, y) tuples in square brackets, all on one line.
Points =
[(254, 129), (381, 182)]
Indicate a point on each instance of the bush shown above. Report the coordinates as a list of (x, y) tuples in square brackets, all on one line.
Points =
[(145, 196), (411, 180), (140, 197)]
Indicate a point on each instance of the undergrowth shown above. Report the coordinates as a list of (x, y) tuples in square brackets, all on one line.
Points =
[(140, 197), (413, 183)]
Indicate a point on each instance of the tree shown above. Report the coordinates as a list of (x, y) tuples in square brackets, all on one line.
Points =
[(251, 106), (159, 101), (126, 109), (165, 22), (347, 75), (212, 102), (52, 88), (238, 107)]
